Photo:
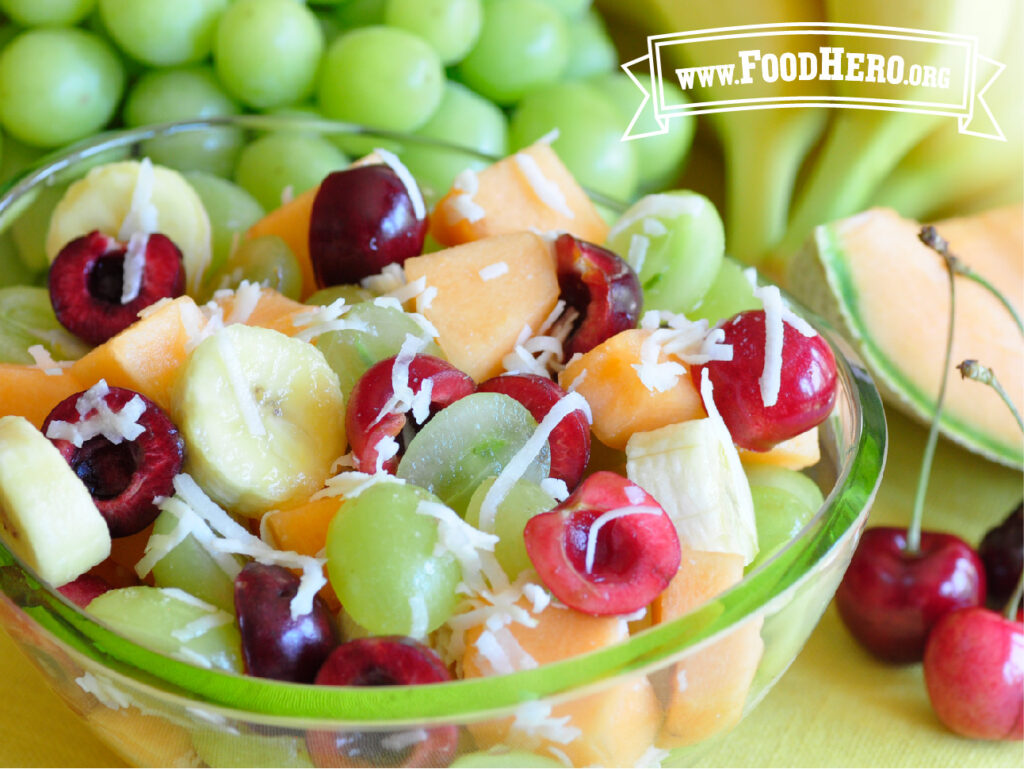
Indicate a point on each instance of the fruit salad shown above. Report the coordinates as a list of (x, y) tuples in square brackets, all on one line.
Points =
[(374, 442)]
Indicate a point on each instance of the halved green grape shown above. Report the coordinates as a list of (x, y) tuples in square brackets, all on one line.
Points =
[(58, 85), (591, 50), (232, 211), (29, 229), (524, 500), (467, 442), (450, 26), (351, 353), (225, 749), (164, 96), (675, 241), (266, 260), (286, 163), (589, 139), (780, 514), (466, 119), (13, 271), (730, 293), (381, 77), (151, 617), (659, 158), (190, 567), (47, 13), (523, 44), (267, 51), (162, 34), (27, 319), (351, 293), (794, 482), (382, 564)]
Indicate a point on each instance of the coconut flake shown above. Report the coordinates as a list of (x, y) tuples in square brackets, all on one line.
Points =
[(45, 362), (99, 419), (247, 405), (546, 190), (142, 216), (535, 720), (492, 271), (637, 254), (692, 342), (247, 297), (397, 741), (550, 137), (419, 616), (391, 277), (538, 597), (611, 515), (418, 207), (501, 649), (652, 757), (662, 206), (133, 266), (461, 206), (654, 227), (104, 691), (556, 488), (202, 626), (462, 541)]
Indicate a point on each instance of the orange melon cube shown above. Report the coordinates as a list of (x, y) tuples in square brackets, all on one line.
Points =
[(612, 727), (487, 291), (146, 356), (796, 453), (274, 310), (621, 403), (28, 391), (302, 529), (531, 189), (291, 223), (708, 689)]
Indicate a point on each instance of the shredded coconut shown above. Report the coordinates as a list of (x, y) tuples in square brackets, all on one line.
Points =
[(637, 254), (390, 159), (142, 216), (556, 488), (397, 741), (133, 266), (657, 206), (550, 137), (247, 297), (104, 691), (419, 617), (492, 271), (45, 362), (202, 626), (546, 190), (611, 515), (535, 720), (691, 342), (99, 419), (462, 206), (388, 279), (654, 227), (463, 542)]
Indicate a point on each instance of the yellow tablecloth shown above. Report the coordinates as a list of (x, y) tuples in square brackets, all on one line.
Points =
[(834, 707)]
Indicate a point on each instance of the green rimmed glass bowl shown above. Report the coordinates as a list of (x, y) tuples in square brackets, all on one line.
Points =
[(155, 710)]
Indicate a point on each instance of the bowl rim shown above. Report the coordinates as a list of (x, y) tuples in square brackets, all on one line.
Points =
[(859, 470)]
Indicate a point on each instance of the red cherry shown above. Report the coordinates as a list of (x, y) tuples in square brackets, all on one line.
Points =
[(807, 388), (635, 557), (974, 671), (601, 287), (890, 599), (569, 441), (86, 282), (82, 590), (1002, 552), (363, 219)]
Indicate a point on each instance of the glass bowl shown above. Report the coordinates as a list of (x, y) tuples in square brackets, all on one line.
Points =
[(651, 699)]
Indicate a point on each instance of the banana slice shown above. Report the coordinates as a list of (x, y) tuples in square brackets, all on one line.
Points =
[(103, 199), (263, 418), (47, 516), (694, 472)]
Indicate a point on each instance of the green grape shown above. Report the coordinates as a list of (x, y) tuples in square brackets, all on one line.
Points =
[(47, 13), (168, 95), (571, 9), (13, 271), (225, 749), (162, 34), (499, 758), (450, 26), (682, 247), (465, 119), (359, 13), (796, 483), (27, 319), (286, 160), (591, 50), (266, 260), (523, 45), (589, 135), (150, 616), (660, 158), (351, 353), (58, 85), (16, 157), (780, 515), (381, 77), (730, 293), (381, 560), (467, 442), (351, 293), (232, 211), (29, 229), (330, 27), (523, 501), (191, 568), (267, 51)]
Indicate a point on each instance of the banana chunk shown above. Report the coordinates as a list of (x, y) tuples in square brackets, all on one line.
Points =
[(262, 416), (694, 472), (102, 200), (47, 516)]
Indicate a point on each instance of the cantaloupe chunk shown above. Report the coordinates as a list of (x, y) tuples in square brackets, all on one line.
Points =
[(479, 320), (291, 223), (273, 310), (302, 529), (796, 453), (28, 391), (512, 203), (146, 356), (616, 725), (708, 689), (620, 402)]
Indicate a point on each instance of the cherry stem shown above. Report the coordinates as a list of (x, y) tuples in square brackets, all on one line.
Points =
[(971, 369), (931, 238), (1010, 612)]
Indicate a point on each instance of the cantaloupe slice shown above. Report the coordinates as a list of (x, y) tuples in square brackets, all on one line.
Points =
[(796, 453), (291, 223), (708, 689), (273, 310), (146, 356), (512, 198), (616, 725), (302, 529), (889, 295), (620, 402), (479, 319), (28, 391)]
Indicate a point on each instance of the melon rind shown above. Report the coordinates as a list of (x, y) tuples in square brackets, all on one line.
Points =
[(820, 276)]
